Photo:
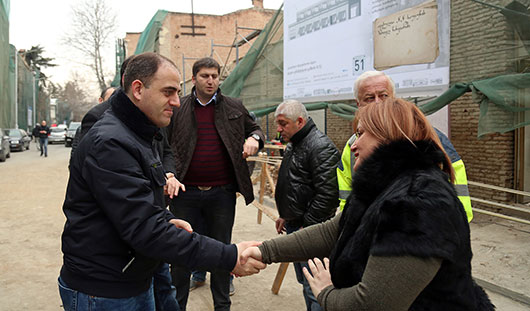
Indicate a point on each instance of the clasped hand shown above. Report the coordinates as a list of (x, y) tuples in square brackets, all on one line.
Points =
[(249, 259)]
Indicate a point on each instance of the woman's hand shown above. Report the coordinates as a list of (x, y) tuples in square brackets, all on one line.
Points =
[(321, 277)]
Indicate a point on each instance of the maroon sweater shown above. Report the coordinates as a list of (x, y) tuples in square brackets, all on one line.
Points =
[(210, 164)]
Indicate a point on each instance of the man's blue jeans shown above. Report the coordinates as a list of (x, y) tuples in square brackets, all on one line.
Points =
[(164, 291), (310, 300), (77, 301), (43, 142)]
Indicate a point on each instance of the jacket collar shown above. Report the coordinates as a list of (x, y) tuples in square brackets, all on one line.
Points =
[(388, 161), (133, 117), (302, 133), (215, 99)]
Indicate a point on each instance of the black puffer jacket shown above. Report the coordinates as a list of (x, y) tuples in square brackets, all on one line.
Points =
[(402, 204), (117, 229), (307, 190)]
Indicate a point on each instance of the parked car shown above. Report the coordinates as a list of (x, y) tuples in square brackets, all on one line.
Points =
[(5, 151), (57, 135), (70, 133), (18, 139)]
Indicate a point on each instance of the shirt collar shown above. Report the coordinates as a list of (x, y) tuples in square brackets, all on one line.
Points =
[(213, 99)]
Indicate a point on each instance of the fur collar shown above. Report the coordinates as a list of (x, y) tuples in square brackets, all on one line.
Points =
[(388, 161), (133, 117)]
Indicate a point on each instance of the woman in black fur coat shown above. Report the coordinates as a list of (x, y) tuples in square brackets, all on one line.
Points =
[(402, 242)]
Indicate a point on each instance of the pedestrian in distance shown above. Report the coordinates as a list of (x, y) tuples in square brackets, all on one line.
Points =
[(44, 132)]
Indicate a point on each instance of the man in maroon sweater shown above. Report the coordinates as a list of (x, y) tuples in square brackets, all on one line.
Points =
[(211, 135)]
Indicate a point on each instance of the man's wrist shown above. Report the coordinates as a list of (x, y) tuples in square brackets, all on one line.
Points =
[(256, 137)]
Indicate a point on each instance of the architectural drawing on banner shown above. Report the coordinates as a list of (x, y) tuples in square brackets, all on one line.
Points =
[(322, 15)]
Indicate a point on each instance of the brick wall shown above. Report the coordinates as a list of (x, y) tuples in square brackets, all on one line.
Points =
[(219, 28), (481, 42), (339, 129), (174, 42)]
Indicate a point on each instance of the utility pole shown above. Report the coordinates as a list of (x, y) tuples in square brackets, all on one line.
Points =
[(16, 88)]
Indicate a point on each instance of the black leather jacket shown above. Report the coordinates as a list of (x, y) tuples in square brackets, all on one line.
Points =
[(307, 190)]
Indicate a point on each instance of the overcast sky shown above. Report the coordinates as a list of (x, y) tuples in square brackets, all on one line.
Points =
[(44, 22)]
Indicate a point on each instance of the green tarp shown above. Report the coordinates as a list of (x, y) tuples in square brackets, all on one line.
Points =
[(146, 42)]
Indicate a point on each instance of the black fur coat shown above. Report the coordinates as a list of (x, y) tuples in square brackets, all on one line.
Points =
[(403, 204)]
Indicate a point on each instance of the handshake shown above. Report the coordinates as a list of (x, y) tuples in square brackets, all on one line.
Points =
[(249, 259)]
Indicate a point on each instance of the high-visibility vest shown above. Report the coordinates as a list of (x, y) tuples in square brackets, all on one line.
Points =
[(345, 173)]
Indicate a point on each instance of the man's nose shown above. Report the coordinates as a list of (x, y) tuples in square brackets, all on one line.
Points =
[(175, 102)]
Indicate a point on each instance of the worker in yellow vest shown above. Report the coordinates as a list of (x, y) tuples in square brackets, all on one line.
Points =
[(375, 87)]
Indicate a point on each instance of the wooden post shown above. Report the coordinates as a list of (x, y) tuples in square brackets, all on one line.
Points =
[(262, 182), (279, 278)]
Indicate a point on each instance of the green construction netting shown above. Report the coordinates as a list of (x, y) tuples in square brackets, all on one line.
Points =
[(258, 78), (146, 42), (258, 81), (120, 57), (149, 37), (27, 93), (5, 98)]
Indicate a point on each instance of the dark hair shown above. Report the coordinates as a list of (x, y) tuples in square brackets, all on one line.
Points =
[(206, 62), (105, 91), (143, 67), (123, 67)]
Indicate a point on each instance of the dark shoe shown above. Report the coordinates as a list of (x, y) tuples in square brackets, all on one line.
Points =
[(45, 155), (41, 154), (232, 289), (196, 284)]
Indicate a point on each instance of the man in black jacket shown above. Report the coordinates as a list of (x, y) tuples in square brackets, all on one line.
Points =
[(117, 230), (44, 132), (307, 190), (211, 136)]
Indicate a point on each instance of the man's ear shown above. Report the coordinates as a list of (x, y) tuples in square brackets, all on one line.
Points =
[(300, 122), (193, 80), (137, 89)]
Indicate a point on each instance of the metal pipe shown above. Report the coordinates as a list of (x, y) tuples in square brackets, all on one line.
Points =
[(184, 73), (34, 102), (479, 184), (478, 210), (16, 88)]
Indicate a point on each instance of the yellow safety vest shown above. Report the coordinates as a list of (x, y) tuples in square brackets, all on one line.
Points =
[(345, 173)]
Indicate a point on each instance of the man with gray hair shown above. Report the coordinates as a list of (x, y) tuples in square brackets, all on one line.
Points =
[(306, 191)]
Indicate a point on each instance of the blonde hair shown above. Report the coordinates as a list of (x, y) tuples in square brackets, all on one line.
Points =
[(398, 119)]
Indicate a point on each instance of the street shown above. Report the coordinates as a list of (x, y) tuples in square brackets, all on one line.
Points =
[(32, 189)]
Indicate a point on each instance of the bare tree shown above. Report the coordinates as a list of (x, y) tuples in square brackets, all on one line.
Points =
[(93, 22)]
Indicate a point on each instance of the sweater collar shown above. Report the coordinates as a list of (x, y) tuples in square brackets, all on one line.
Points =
[(302, 133), (388, 161), (133, 117)]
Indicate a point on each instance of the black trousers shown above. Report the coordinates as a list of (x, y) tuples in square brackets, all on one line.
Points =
[(211, 213)]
